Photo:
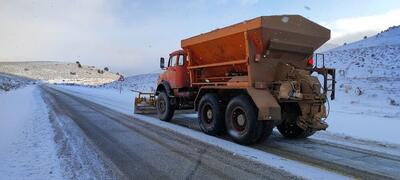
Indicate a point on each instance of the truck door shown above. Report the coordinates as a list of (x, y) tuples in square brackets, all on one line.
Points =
[(171, 71), (177, 73), (182, 74)]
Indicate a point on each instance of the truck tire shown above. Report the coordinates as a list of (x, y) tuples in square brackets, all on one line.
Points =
[(289, 128), (242, 124), (165, 110), (264, 131), (210, 115)]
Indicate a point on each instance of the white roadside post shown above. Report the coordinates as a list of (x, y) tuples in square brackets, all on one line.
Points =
[(120, 79)]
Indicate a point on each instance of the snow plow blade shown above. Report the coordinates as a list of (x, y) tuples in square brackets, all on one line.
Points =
[(145, 103)]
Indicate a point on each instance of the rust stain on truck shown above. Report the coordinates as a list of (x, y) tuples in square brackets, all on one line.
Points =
[(247, 78)]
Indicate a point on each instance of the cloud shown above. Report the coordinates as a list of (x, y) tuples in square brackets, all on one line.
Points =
[(34, 30), (347, 29), (64, 30)]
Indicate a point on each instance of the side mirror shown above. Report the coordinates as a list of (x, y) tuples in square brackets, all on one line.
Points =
[(162, 63)]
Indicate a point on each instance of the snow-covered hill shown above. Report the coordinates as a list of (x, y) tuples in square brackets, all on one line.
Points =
[(391, 36), (143, 82), (59, 72), (368, 62), (368, 77)]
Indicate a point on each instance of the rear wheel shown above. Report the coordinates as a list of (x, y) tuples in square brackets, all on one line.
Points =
[(242, 124), (165, 110), (264, 131), (210, 115), (289, 128)]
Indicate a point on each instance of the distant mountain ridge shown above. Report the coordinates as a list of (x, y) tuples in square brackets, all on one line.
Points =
[(388, 37), (376, 56), (59, 72)]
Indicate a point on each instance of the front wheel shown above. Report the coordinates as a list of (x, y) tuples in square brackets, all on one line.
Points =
[(242, 123), (165, 110)]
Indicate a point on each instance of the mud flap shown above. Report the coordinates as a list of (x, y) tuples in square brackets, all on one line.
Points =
[(268, 107)]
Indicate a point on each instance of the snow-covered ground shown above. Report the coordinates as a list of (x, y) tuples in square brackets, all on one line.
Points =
[(143, 82), (35, 143), (9, 82), (27, 148), (367, 103), (59, 72)]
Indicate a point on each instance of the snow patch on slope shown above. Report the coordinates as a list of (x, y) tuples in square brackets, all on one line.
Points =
[(143, 82)]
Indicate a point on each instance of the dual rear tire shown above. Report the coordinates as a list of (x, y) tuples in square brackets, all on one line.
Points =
[(289, 128), (240, 122)]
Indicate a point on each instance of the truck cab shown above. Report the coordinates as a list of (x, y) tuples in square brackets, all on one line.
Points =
[(175, 72)]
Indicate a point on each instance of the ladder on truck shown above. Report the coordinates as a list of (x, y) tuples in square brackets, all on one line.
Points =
[(329, 75)]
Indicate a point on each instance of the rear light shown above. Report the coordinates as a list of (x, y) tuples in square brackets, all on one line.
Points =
[(310, 61)]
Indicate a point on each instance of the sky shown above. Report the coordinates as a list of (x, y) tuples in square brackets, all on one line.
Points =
[(129, 36)]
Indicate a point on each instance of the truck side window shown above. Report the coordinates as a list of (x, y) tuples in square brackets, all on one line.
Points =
[(180, 60), (172, 61)]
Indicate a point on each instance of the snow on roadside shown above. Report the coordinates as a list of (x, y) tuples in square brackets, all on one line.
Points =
[(9, 82), (79, 157), (27, 148)]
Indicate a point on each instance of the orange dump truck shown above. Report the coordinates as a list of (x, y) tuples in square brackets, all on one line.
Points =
[(247, 78)]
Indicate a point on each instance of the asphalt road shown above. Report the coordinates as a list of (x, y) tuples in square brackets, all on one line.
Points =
[(143, 151)]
